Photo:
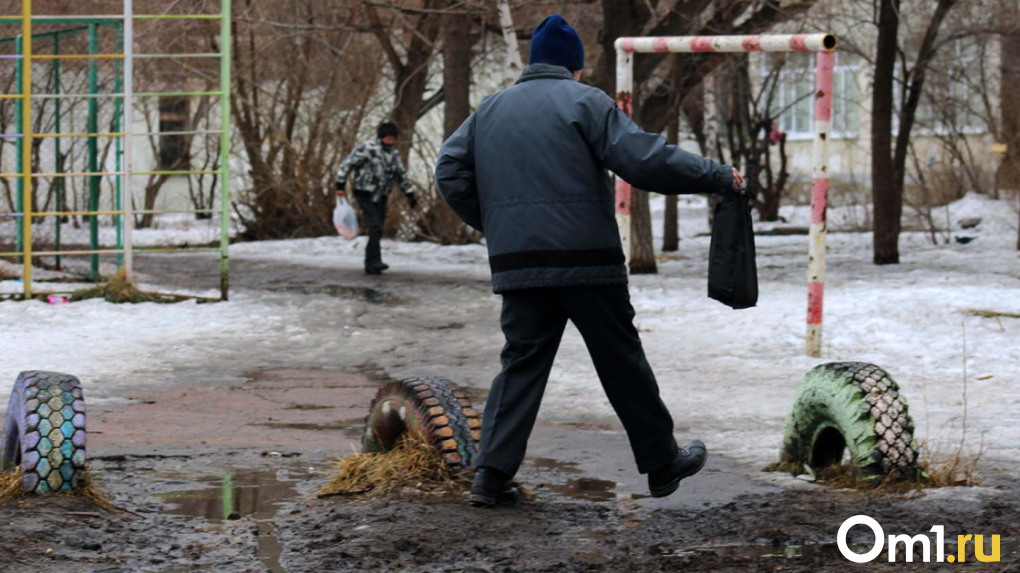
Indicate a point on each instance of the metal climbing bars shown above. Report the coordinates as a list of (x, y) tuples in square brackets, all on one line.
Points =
[(824, 45), (28, 175)]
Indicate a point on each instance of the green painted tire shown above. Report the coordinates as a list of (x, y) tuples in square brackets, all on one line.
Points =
[(44, 432), (855, 407), (432, 405)]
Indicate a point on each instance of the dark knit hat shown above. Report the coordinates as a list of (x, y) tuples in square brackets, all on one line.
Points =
[(555, 42), (387, 129)]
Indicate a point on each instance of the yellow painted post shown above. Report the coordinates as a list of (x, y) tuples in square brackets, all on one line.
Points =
[(26, 157)]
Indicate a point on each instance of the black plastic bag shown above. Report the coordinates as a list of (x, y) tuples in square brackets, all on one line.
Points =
[(732, 272)]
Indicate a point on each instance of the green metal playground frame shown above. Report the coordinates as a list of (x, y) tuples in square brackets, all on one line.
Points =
[(123, 97)]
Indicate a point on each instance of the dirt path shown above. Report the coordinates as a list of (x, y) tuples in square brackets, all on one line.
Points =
[(224, 480)]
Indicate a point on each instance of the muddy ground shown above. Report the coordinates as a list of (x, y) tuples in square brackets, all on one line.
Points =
[(217, 471)]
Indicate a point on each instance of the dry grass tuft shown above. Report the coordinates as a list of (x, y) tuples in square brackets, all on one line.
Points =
[(10, 488), (413, 463), (786, 467), (117, 290), (992, 313), (90, 492), (10, 485), (843, 477), (950, 466), (937, 467)]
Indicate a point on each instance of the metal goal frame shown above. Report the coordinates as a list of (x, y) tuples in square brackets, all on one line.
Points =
[(824, 45)]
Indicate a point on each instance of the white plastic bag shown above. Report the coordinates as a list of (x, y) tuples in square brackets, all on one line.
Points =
[(345, 219)]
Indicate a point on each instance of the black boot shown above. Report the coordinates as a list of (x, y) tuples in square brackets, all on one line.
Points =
[(688, 461), (373, 270), (490, 488)]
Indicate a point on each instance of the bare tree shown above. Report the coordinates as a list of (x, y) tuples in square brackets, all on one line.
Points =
[(889, 158), (698, 17), (305, 79), (1009, 68), (418, 30), (752, 134)]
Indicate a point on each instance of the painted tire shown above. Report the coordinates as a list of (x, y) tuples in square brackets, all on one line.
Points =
[(44, 432), (857, 407), (435, 407)]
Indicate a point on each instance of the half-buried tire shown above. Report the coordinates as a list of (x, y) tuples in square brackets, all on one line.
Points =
[(431, 405), (44, 432), (855, 407)]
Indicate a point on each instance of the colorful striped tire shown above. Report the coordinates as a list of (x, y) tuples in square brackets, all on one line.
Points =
[(852, 407), (432, 405), (44, 432)]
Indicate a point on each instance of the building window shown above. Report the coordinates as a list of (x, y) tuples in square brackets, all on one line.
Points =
[(966, 101), (845, 96), (173, 117), (952, 100), (793, 101)]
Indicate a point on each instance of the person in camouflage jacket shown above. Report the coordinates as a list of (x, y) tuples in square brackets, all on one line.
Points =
[(376, 166)]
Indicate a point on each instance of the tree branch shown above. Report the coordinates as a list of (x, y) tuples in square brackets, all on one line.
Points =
[(384, 39)]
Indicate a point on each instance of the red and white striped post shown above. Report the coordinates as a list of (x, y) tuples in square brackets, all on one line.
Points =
[(819, 200), (624, 87), (824, 44)]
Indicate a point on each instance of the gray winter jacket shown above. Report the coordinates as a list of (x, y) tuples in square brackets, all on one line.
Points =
[(529, 169)]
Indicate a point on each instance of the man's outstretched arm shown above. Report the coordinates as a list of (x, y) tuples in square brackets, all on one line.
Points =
[(455, 174), (646, 161)]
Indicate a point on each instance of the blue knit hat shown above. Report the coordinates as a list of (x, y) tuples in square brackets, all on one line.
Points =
[(555, 42)]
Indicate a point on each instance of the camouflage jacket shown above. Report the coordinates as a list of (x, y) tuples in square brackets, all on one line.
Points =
[(375, 169)]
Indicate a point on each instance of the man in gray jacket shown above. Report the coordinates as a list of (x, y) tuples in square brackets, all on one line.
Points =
[(529, 169)]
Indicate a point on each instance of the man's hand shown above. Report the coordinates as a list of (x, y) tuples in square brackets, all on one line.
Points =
[(738, 179), (341, 193)]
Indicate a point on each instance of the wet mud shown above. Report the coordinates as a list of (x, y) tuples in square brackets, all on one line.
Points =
[(226, 482)]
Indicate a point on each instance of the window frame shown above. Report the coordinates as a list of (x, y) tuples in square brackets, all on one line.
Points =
[(173, 115)]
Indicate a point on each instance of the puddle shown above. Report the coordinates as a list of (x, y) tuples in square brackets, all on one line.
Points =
[(366, 294), (555, 465), (248, 494), (589, 489)]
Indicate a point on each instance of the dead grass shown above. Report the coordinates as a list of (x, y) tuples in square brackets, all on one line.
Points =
[(92, 493), (786, 467), (10, 488), (937, 467), (10, 485), (843, 477), (413, 463), (117, 290), (991, 313)]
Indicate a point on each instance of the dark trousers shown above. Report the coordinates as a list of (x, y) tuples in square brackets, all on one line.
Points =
[(375, 218), (533, 321)]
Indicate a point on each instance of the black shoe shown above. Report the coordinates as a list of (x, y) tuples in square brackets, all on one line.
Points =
[(384, 267), (490, 488), (688, 461), (375, 270)]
